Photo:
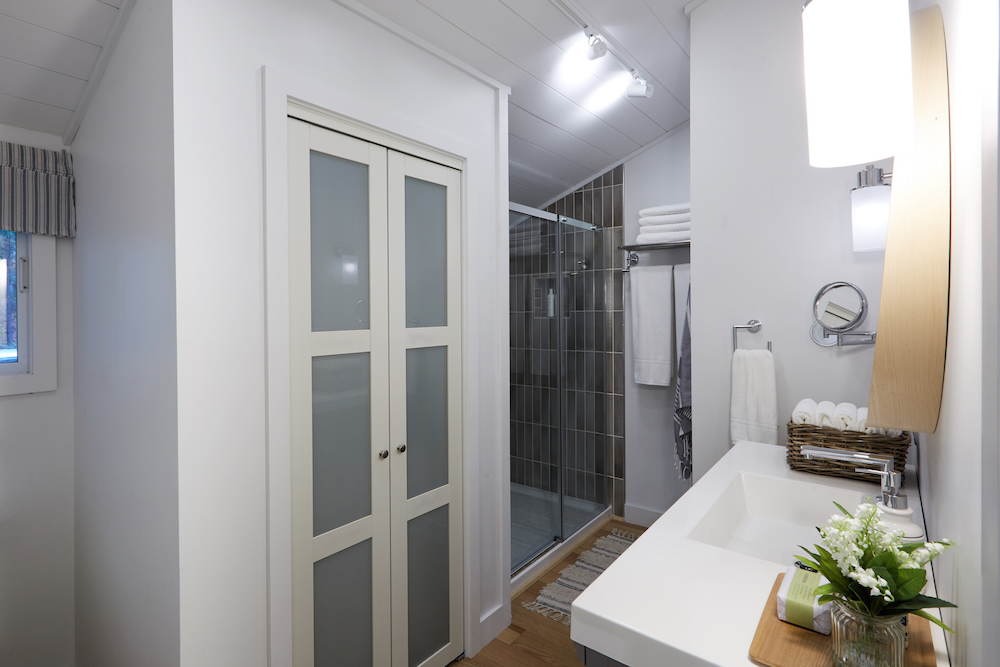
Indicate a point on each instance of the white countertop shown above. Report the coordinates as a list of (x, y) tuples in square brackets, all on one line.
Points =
[(670, 599)]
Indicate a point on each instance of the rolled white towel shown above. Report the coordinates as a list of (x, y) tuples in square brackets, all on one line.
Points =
[(862, 423), (664, 210), (664, 219), (663, 229), (804, 412), (845, 416), (824, 414), (667, 237)]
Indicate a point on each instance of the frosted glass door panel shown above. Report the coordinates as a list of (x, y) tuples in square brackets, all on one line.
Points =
[(426, 254), (342, 608), (339, 243), (426, 419), (342, 457), (428, 584)]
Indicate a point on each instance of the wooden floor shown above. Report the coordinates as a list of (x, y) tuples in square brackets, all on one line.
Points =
[(533, 640)]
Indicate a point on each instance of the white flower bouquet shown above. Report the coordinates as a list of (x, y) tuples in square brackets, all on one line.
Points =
[(871, 569)]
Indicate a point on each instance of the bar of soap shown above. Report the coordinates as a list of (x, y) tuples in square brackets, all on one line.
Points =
[(797, 604)]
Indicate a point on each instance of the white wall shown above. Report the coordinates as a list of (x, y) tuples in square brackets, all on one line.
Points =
[(36, 490), (771, 229), (956, 456), (365, 72), (660, 175), (125, 358)]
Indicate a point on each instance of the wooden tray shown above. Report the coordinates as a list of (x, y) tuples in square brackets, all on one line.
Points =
[(780, 644)]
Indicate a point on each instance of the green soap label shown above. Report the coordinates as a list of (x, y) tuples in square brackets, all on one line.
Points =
[(799, 604)]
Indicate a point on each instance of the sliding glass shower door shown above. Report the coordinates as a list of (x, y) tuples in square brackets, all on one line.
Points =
[(558, 404)]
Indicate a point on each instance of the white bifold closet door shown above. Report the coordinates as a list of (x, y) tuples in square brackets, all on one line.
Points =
[(376, 380)]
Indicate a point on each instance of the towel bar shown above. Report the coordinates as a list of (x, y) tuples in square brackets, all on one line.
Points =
[(753, 326), (632, 257)]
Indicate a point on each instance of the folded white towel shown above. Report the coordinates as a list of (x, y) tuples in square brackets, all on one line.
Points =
[(651, 289), (664, 210), (665, 229), (754, 406), (862, 423), (845, 416), (664, 219), (824, 414), (665, 237), (804, 412)]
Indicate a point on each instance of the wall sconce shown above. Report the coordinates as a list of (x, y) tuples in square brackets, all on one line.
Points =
[(870, 209), (857, 66)]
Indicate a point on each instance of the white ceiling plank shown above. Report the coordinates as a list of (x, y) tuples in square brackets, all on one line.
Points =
[(674, 20), (503, 31), (86, 20), (526, 175), (545, 135), (526, 90), (39, 85), (32, 115), (520, 194), (547, 104), (523, 152), (46, 49), (633, 24)]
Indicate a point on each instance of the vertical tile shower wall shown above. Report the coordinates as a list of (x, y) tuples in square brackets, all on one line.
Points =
[(595, 398)]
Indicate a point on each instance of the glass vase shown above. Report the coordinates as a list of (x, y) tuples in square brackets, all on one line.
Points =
[(862, 640)]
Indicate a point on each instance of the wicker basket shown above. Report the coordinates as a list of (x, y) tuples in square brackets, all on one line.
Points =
[(854, 441)]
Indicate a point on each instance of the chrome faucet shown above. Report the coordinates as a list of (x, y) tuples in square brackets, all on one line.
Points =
[(892, 480)]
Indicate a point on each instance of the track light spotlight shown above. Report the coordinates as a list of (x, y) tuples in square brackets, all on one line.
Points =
[(598, 48), (639, 88)]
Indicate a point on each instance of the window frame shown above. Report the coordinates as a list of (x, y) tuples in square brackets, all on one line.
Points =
[(36, 366)]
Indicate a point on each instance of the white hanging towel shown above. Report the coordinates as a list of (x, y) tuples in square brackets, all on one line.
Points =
[(665, 210), (651, 289), (754, 407), (682, 280)]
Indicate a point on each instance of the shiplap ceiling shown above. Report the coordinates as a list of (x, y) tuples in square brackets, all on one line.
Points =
[(49, 51), (564, 128)]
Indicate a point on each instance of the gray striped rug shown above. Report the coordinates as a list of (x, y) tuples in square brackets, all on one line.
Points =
[(556, 599)]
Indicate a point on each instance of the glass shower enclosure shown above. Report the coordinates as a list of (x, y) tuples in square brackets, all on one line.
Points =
[(558, 451)]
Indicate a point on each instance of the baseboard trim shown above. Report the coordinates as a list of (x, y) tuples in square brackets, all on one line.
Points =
[(641, 516), (523, 579)]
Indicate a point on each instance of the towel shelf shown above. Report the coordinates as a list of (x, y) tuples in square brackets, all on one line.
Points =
[(632, 255)]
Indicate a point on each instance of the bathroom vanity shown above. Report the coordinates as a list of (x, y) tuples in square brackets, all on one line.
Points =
[(690, 591)]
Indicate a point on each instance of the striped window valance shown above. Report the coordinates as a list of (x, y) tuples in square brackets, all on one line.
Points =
[(37, 191)]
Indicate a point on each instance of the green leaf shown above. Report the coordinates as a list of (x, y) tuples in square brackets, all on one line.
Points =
[(910, 547), (932, 618), (826, 589), (885, 574), (909, 583), (823, 599), (841, 508), (920, 602), (886, 562)]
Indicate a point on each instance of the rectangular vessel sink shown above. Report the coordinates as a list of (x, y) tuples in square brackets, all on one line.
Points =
[(768, 517)]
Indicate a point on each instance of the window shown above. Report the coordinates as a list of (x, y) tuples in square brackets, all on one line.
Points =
[(27, 313)]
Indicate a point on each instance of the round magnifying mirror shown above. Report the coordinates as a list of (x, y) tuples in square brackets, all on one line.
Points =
[(840, 307)]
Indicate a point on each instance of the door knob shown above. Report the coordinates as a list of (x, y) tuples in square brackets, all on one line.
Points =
[(401, 449), (383, 454)]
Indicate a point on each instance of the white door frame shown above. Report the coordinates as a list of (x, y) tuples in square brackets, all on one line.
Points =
[(278, 89)]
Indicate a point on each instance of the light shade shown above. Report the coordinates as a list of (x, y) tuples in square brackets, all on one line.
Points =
[(870, 217), (859, 85)]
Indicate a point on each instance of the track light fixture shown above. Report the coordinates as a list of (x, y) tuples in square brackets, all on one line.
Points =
[(639, 88), (598, 48)]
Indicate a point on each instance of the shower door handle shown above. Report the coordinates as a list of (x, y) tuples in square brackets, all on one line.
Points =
[(401, 449), (383, 455)]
